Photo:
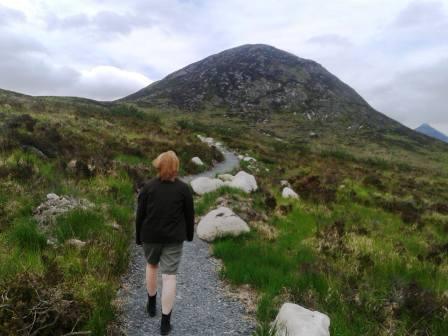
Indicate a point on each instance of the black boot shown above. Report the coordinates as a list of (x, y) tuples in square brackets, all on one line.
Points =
[(165, 326), (151, 305)]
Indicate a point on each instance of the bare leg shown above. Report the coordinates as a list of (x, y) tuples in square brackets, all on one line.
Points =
[(168, 292), (151, 279)]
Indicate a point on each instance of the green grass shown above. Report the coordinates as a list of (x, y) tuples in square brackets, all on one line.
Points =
[(132, 159), (25, 235), (79, 224), (368, 266), (203, 204), (270, 266)]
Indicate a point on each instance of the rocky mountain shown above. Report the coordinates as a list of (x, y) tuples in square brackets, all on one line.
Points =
[(431, 132), (258, 80)]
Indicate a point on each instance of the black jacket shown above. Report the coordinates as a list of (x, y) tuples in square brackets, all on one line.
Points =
[(165, 212)]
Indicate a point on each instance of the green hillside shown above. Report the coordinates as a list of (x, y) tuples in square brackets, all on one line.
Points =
[(366, 243), (51, 284)]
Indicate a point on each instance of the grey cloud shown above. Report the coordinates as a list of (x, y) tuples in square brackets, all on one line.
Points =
[(330, 39), (103, 23), (420, 13), (68, 22), (15, 44), (415, 96), (33, 74), (8, 15)]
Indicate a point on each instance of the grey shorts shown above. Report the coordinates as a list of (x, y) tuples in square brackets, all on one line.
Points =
[(168, 255)]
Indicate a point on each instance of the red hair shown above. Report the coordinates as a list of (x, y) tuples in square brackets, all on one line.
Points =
[(167, 165)]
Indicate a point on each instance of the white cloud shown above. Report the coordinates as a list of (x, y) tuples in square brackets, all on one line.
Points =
[(107, 82)]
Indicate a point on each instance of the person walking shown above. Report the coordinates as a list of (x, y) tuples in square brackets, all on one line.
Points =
[(164, 220)]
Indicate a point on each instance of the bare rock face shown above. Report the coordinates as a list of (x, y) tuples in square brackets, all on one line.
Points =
[(294, 320), (219, 223)]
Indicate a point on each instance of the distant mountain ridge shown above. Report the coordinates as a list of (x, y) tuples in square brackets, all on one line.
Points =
[(432, 132), (257, 80)]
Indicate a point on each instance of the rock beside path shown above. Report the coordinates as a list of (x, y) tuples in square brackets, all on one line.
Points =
[(225, 177), (294, 320), (243, 181), (202, 185), (219, 223)]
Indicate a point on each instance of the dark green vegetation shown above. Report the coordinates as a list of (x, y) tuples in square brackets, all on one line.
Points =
[(366, 244), (51, 289)]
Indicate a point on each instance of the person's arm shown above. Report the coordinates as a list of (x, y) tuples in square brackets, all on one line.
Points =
[(189, 213), (140, 215)]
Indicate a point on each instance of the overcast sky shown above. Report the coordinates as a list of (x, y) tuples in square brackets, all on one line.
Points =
[(394, 53)]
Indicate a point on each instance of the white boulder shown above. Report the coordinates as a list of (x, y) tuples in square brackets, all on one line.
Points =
[(225, 177), (202, 185), (219, 223), (289, 193), (197, 161), (294, 320), (243, 181)]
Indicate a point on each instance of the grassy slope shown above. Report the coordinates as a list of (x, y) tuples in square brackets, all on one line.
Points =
[(73, 288), (367, 242)]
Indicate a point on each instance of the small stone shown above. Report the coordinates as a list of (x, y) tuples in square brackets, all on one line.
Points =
[(115, 226), (197, 160), (284, 183), (75, 243), (52, 196), (289, 193)]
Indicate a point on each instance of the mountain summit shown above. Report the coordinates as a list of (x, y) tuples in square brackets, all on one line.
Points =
[(432, 132), (258, 79)]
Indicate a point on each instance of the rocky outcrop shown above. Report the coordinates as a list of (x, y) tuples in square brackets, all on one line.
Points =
[(256, 81), (294, 320), (219, 223), (56, 205)]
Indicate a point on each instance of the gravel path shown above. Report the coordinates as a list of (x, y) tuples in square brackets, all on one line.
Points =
[(202, 307)]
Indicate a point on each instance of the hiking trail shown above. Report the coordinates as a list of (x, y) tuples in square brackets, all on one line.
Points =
[(202, 306)]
